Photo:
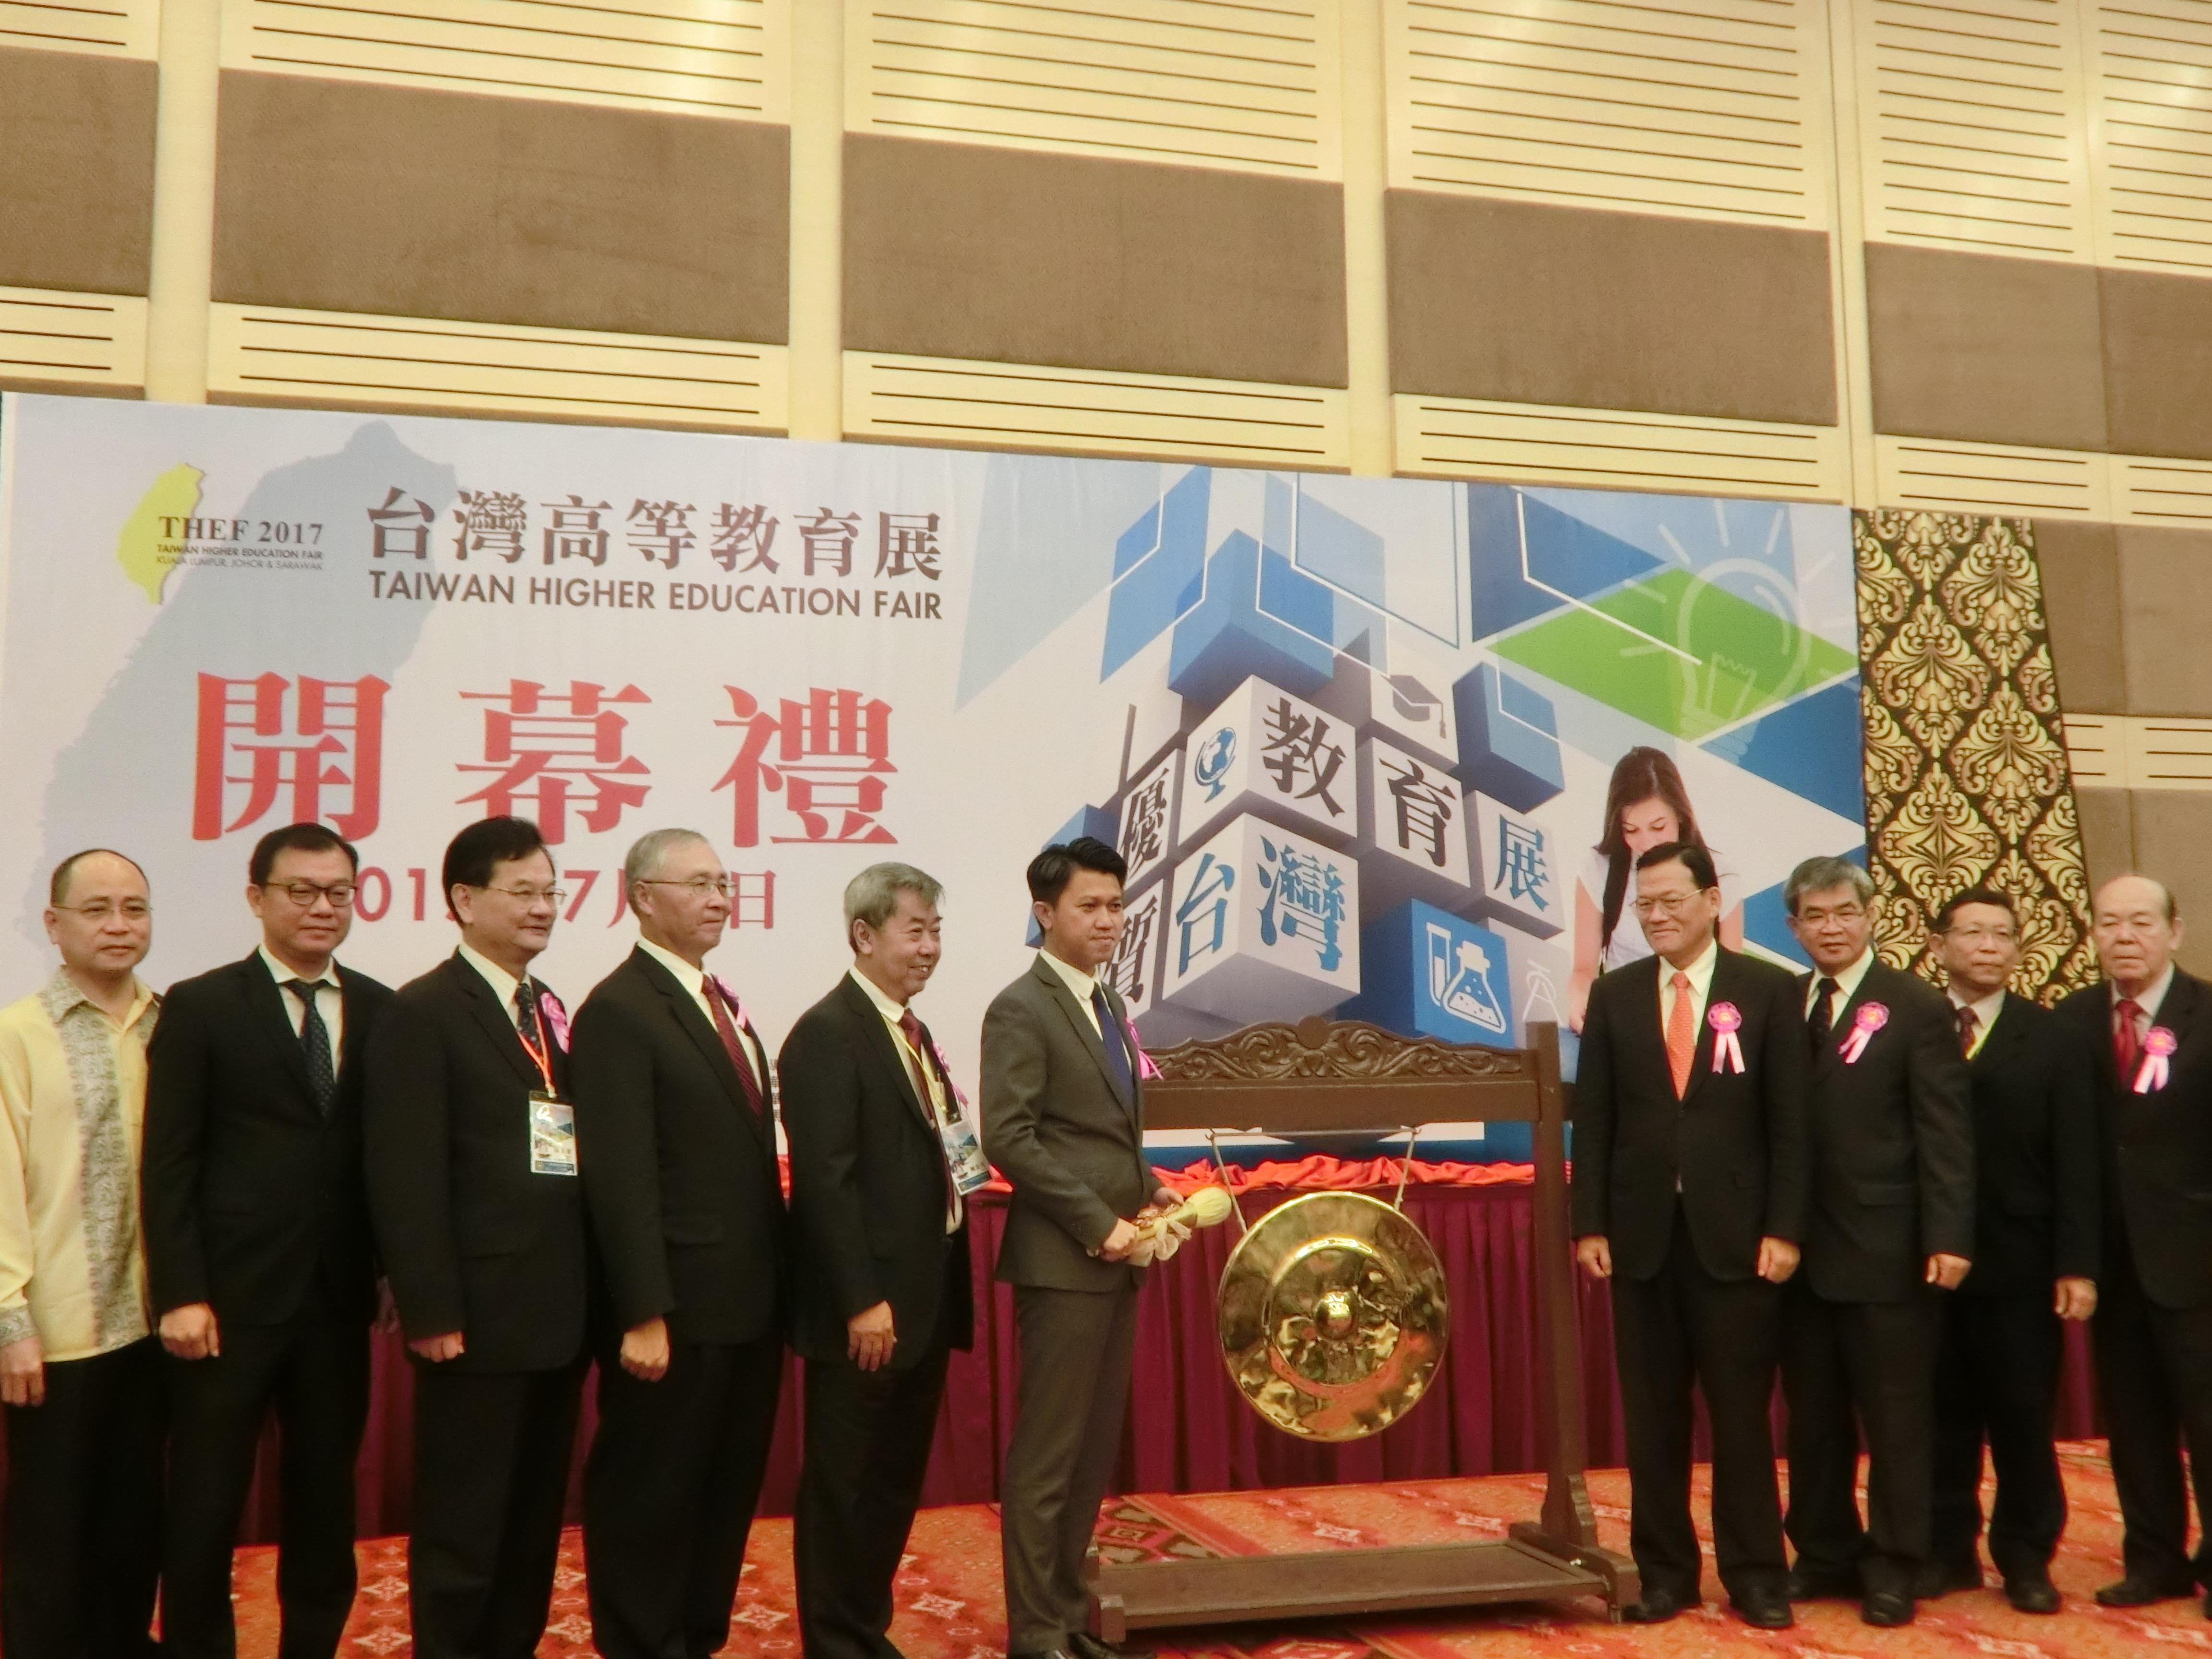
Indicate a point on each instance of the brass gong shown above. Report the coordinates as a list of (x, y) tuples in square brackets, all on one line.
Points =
[(1332, 1315)]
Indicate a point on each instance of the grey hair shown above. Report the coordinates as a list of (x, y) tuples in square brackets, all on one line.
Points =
[(1818, 875), (2164, 892), (646, 852), (872, 896)]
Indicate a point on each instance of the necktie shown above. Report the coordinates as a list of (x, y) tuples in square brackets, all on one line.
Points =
[(1682, 1034), (315, 1044), (1110, 1035), (726, 1029), (2125, 1051), (916, 1046), (1820, 1023), (531, 1033), (1969, 1022)]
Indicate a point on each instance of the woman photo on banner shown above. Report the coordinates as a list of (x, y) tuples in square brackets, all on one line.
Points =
[(1645, 805)]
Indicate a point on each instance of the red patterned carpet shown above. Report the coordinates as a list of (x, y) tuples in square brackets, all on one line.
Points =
[(950, 1606)]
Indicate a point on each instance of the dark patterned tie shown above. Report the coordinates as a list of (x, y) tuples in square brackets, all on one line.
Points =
[(315, 1045), (526, 1019), (1820, 1023), (1968, 1023), (1110, 1036), (726, 1029)]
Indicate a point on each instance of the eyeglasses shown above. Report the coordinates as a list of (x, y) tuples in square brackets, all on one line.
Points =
[(530, 894), (1841, 913), (698, 886), (1669, 904), (1977, 935), (103, 910), (305, 893)]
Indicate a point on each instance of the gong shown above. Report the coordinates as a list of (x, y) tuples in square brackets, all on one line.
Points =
[(1332, 1315)]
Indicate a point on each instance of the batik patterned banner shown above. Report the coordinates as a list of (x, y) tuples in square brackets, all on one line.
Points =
[(1966, 782)]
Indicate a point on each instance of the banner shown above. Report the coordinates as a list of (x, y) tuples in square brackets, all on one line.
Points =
[(1375, 746)]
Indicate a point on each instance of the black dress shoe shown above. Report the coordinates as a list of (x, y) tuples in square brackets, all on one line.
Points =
[(2033, 1593), (1888, 1608), (1084, 1645), (1656, 1607), (1763, 1610), (1805, 1584), (2134, 1592), (1942, 1577)]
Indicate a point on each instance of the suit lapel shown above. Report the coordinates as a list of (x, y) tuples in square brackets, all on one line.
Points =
[(684, 1010), (266, 1002), (493, 1021), (2009, 1030), (878, 1042), (1078, 1019)]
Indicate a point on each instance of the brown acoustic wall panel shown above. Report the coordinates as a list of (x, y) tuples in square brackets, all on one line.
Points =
[(343, 196), (76, 171), (2166, 616), (1984, 349), (1026, 257), (1528, 302), (2081, 569), (2157, 362)]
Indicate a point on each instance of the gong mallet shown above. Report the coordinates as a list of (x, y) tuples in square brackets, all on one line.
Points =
[(1160, 1235)]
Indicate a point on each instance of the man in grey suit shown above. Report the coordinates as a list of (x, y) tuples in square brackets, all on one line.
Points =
[(1064, 1121)]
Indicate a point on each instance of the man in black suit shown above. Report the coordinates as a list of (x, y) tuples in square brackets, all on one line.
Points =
[(473, 1158), (2147, 1030), (2035, 1263), (258, 1248), (1893, 1223), (676, 1114), (1064, 1120), (1690, 1168), (882, 1287)]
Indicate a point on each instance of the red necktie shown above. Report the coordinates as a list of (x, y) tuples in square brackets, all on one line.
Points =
[(916, 1045), (1968, 1020), (2125, 1051), (726, 1029), (1682, 1034)]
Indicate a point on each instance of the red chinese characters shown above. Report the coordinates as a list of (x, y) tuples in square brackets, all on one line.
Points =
[(831, 756), (555, 751), (320, 740)]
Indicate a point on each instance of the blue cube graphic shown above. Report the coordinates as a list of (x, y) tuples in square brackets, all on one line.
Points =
[(1424, 972), (1508, 742), (1159, 570), (1241, 629)]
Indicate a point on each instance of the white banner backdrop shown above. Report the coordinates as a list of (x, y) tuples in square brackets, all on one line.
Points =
[(1356, 736)]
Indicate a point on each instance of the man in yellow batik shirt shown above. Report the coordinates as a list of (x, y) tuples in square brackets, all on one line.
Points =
[(80, 1369)]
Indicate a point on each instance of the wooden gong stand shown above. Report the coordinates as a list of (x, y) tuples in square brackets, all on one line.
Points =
[(1340, 1076)]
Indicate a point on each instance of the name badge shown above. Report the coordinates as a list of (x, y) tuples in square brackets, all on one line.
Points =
[(552, 1135), (964, 1156)]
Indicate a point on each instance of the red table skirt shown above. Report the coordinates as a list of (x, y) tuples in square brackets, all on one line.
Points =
[(1189, 1430)]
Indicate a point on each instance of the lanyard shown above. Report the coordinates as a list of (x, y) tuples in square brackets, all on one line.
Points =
[(541, 1053)]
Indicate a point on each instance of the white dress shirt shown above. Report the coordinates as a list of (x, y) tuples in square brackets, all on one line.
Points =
[(2152, 999), (1700, 974), (330, 1000), (504, 984), (693, 980)]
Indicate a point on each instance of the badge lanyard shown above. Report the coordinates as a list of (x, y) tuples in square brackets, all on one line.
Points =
[(541, 1055)]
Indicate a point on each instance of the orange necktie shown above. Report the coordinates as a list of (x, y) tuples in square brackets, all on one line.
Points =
[(1682, 1034)]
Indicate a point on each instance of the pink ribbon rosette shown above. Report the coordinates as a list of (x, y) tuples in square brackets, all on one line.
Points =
[(1145, 1070), (2159, 1045), (945, 1063), (1870, 1018), (555, 1017), (1726, 1019)]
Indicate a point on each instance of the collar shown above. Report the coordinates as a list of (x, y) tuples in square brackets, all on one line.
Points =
[(63, 997), (504, 984), (1847, 982), (1700, 971), (1986, 1009), (280, 973), (1081, 983), (693, 980), (2154, 996), (893, 1012)]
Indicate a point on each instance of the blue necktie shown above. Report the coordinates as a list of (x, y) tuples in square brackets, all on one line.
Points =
[(1110, 1034)]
